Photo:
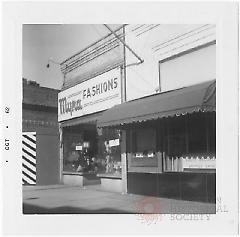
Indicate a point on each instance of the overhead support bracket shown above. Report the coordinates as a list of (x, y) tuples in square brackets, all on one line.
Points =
[(139, 58)]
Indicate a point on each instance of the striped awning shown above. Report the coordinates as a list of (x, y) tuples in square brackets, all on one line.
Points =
[(90, 118), (200, 97)]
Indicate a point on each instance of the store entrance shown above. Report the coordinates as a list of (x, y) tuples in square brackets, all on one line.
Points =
[(91, 153)]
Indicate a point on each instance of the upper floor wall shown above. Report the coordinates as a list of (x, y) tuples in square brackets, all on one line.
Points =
[(174, 56), (100, 57), (39, 108), (36, 95)]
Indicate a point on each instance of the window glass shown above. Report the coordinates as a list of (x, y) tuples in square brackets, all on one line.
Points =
[(71, 151), (89, 150), (197, 133), (176, 137), (188, 145), (144, 141), (109, 152), (212, 133), (189, 69), (143, 157)]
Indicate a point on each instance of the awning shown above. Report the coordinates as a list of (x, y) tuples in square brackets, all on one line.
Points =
[(90, 118), (200, 97)]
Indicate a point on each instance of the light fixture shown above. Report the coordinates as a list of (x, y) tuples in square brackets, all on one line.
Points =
[(52, 61)]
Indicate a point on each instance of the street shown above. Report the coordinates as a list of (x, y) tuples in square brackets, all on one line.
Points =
[(60, 199)]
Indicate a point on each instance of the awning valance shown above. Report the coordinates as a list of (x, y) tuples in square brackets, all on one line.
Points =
[(90, 118), (200, 97)]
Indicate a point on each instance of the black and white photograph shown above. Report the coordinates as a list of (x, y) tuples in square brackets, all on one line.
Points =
[(121, 119), (135, 114)]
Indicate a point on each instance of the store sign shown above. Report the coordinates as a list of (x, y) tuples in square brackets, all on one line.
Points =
[(199, 163), (114, 142), (97, 94), (78, 148)]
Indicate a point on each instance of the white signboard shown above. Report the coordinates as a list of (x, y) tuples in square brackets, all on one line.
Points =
[(199, 163), (117, 143), (97, 94), (114, 142), (78, 148)]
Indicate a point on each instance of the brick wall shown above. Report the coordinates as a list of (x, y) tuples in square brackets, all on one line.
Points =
[(39, 118), (35, 94), (39, 114)]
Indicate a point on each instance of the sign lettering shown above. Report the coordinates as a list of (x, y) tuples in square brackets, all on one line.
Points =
[(97, 94)]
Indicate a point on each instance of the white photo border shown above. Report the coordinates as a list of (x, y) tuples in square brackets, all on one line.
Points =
[(224, 15)]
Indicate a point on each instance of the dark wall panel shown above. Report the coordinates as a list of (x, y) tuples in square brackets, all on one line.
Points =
[(168, 185), (48, 164), (185, 186), (142, 184), (193, 187)]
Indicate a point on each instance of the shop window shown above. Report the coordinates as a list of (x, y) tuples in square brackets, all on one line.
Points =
[(197, 133), (89, 151), (175, 143), (212, 132), (176, 134), (72, 148), (179, 71), (143, 148), (109, 155), (144, 142), (190, 144)]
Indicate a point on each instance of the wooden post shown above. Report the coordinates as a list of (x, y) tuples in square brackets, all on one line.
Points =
[(164, 161), (124, 161), (124, 132), (159, 160), (60, 154)]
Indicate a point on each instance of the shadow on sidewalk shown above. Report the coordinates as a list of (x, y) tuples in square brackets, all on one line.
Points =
[(34, 209)]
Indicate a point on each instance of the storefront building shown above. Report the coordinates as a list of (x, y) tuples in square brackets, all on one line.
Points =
[(40, 161), (144, 127), (171, 142), (93, 83)]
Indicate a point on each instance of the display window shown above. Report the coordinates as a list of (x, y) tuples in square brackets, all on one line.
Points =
[(212, 132), (175, 138), (144, 143), (178, 144), (109, 151), (88, 150), (197, 133), (72, 148), (190, 143), (142, 147)]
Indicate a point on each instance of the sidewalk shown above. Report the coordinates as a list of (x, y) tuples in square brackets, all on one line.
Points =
[(60, 199)]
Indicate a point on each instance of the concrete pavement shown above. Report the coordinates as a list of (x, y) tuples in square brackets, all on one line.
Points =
[(60, 199)]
